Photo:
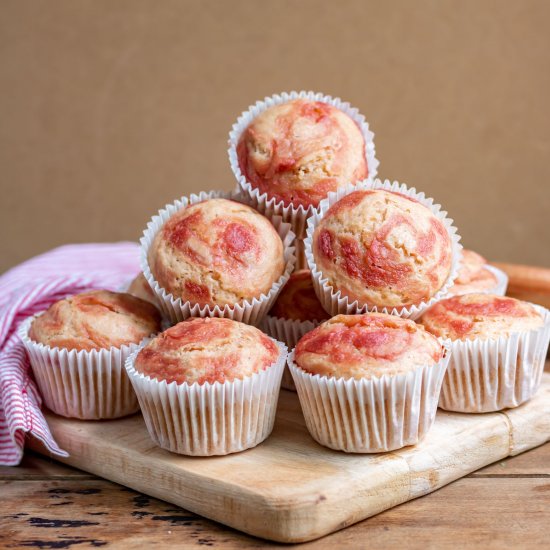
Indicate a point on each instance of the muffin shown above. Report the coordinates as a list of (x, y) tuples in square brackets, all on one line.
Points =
[(296, 311), (380, 249), (368, 383), (99, 319), (208, 386), (297, 152), (298, 301), (77, 349), (498, 348), (140, 288), (475, 275), (209, 255)]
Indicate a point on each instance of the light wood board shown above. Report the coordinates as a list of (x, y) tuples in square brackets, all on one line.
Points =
[(290, 489)]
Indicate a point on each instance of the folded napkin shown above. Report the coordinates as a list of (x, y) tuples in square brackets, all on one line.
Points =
[(28, 289)]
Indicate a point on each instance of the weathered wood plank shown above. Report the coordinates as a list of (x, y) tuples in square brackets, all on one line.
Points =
[(469, 513)]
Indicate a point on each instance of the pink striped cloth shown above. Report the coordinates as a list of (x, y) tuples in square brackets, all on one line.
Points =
[(27, 289)]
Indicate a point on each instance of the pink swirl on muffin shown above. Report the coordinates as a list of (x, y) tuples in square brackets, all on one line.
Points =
[(368, 345), (206, 350), (471, 316), (298, 300), (299, 151), (383, 249), (217, 252), (99, 319)]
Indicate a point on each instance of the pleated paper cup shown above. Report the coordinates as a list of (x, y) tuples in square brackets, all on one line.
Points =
[(332, 300), (209, 419), (495, 374), (246, 311), (89, 385), (369, 416), (502, 281), (295, 215), (288, 331)]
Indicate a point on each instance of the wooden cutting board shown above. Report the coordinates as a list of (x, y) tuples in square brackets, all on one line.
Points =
[(290, 489)]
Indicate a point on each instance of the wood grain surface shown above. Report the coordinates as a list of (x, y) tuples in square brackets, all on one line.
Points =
[(290, 489)]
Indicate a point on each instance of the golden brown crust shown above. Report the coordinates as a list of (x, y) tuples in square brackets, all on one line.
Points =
[(299, 151), (99, 319), (483, 316), (382, 249), (206, 351), (217, 252), (298, 300), (366, 346)]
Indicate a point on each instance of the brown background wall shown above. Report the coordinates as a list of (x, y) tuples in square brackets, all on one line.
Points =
[(108, 110)]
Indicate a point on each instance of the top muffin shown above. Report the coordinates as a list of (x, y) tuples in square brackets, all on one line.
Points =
[(206, 350), (483, 316), (299, 151), (298, 300), (95, 320), (366, 346), (217, 252), (383, 249)]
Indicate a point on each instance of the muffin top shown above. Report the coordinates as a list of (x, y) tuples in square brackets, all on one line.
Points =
[(472, 263), (382, 249), (206, 351), (217, 252), (99, 319), (298, 300), (299, 151), (483, 316), (482, 280), (366, 346), (140, 288)]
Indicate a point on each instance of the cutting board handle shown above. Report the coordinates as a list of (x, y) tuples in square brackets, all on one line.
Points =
[(526, 278)]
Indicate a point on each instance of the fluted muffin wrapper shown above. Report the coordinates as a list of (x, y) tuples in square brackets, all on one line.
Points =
[(369, 415), (288, 331), (89, 385), (295, 215), (209, 419), (486, 375), (332, 300), (246, 311)]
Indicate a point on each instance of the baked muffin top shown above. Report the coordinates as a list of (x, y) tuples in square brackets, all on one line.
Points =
[(299, 151), (472, 263), (483, 316), (482, 280), (140, 288), (366, 346), (99, 319), (382, 249), (298, 300), (206, 350), (217, 252)]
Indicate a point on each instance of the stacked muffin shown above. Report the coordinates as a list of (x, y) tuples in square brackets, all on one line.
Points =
[(322, 258)]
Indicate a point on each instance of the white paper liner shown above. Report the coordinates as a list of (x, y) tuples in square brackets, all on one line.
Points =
[(210, 419), (89, 385), (333, 302), (288, 331), (369, 416), (495, 374), (296, 216), (245, 311)]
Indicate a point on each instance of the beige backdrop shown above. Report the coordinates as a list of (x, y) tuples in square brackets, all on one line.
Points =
[(108, 110)]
